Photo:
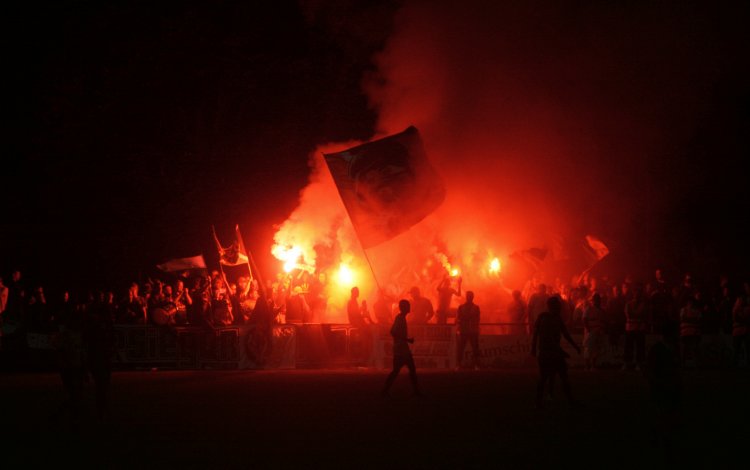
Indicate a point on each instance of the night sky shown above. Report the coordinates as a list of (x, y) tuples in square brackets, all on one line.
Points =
[(134, 126)]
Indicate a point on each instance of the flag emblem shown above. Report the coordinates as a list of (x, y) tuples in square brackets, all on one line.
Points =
[(233, 255), (387, 185)]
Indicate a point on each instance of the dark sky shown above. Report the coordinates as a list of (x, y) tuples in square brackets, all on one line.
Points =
[(628, 121), (137, 125), (134, 126)]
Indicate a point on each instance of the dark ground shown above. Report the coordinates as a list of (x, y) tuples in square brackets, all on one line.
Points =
[(335, 419)]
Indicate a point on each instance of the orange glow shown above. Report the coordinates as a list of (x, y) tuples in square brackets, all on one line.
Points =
[(495, 266), (290, 255), (345, 275), (455, 272)]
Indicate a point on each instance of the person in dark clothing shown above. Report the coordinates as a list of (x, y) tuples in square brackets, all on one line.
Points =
[(741, 328), (198, 313), (383, 308), (64, 310), (297, 310), (665, 382), (615, 316), (423, 311), (401, 352), (516, 312), (360, 319), (445, 296), (15, 307), (636, 327), (71, 359), (260, 338), (548, 330), (133, 309), (98, 340), (724, 306), (660, 306), (467, 320), (38, 313), (3, 303)]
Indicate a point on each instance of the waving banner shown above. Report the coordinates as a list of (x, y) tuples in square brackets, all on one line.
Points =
[(183, 264), (387, 185), (235, 254)]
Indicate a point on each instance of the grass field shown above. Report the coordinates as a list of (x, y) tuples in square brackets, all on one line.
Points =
[(336, 419)]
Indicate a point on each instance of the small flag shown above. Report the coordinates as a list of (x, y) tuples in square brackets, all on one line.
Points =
[(387, 185), (242, 255), (234, 254), (596, 247), (182, 264)]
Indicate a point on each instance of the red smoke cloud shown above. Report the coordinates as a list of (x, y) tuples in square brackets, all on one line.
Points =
[(545, 123)]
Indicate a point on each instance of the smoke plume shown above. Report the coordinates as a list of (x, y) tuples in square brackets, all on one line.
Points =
[(547, 122)]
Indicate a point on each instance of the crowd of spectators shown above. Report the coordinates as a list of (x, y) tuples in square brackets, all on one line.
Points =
[(186, 300), (604, 310)]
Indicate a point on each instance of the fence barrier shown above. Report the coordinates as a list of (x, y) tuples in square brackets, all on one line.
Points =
[(316, 345)]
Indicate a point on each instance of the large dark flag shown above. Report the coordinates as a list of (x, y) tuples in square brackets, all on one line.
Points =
[(387, 185), (534, 257)]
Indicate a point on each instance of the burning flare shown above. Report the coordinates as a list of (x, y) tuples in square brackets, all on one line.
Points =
[(495, 266), (290, 255), (345, 275)]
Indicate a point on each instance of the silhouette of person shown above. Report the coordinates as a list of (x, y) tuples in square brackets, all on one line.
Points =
[(401, 352), (98, 340), (359, 318), (593, 332), (423, 311), (467, 320), (741, 327), (3, 302), (665, 381), (517, 314), (71, 355), (383, 308), (445, 296), (548, 329), (537, 303), (690, 331), (260, 339), (297, 310), (635, 330)]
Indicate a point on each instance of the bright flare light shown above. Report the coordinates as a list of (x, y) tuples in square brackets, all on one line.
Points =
[(455, 272), (345, 275), (289, 255), (495, 266)]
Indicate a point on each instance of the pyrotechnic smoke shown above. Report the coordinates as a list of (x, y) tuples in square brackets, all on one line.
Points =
[(547, 122), (316, 220), (541, 120), (319, 228)]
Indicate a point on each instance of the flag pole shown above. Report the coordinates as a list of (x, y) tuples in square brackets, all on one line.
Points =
[(346, 209), (251, 265), (221, 266), (369, 263), (244, 249)]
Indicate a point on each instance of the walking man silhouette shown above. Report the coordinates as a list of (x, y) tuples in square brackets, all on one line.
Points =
[(548, 330), (401, 352)]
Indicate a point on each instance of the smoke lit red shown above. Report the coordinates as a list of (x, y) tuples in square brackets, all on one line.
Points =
[(519, 172)]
